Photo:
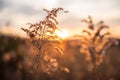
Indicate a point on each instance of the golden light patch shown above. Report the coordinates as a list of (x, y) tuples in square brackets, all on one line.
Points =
[(63, 34)]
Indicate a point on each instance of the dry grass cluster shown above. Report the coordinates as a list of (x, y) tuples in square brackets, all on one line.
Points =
[(46, 44), (48, 47), (96, 42)]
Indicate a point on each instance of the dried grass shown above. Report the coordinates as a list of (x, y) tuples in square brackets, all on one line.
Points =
[(95, 44), (45, 42)]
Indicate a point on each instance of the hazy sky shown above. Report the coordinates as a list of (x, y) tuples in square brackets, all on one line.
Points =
[(20, 12)]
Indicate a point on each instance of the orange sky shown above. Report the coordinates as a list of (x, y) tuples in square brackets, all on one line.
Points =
[(17, 13)]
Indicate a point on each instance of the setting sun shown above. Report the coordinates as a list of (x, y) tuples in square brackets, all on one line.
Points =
[(63, 34)]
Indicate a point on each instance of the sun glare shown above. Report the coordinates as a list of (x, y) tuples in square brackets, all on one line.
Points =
[(63, 34)]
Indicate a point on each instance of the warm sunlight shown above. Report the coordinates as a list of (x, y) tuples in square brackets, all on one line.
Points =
[(41, 39), (63, 34)]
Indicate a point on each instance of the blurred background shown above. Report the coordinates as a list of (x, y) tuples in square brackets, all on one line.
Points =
[(15, 63)]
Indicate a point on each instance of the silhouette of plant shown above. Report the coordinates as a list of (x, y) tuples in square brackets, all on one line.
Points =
[(95, 43), (46, 43)]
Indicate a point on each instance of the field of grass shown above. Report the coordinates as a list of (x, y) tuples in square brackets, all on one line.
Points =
[(15, 63)]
